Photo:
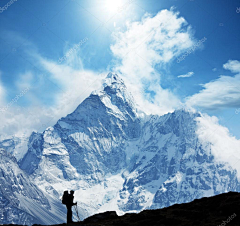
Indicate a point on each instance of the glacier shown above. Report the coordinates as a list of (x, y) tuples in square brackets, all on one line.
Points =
[(115, 157)]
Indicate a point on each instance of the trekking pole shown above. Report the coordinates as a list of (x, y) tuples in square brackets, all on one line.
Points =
[(76, 209)]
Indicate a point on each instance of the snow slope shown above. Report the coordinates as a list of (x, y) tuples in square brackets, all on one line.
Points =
[(21, 201)]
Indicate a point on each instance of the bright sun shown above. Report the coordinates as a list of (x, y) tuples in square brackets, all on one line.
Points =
[(114, 5)]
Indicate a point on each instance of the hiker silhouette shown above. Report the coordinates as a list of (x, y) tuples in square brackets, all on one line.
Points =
[(67, 200)]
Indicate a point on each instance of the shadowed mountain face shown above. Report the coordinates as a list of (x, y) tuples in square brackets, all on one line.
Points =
[(219, 210), (116, 158)]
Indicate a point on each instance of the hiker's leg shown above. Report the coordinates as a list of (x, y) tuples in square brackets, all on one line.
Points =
[(69, 214)]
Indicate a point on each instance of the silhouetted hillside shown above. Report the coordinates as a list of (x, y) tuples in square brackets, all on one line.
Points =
[(223, 209)]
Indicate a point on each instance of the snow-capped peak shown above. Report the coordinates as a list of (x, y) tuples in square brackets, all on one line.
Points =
[(115, 92), (111, 85), (114, 81)]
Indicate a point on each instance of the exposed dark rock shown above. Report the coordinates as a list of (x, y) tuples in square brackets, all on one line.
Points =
[(219, 210), (101, 216)]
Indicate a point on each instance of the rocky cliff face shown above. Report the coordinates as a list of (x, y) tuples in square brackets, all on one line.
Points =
[(117, 158)]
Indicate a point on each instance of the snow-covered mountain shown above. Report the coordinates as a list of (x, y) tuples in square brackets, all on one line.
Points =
[(17, 146), (117, 158), (21, 201)]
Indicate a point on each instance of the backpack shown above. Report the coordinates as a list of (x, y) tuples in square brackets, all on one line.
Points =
[(65, 197)]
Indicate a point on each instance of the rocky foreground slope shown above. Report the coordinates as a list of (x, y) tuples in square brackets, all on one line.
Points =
[(223, 209)]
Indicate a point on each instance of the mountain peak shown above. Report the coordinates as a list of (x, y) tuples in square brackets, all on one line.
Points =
[(111, 82), (112, 98), (114, 81), (112, 75), (114, 87)]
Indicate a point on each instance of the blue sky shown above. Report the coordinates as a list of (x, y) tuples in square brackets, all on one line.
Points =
[(58, 50)]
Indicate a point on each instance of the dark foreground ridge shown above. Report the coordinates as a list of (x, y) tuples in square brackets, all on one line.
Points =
[(223, 209)]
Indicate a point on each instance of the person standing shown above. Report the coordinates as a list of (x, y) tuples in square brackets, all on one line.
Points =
[(67, 199)]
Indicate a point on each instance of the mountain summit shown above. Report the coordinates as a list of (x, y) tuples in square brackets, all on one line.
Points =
[(114, 82), (116, 160)]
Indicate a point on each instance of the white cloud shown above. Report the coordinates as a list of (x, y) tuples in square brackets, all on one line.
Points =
[(153, 41), (76, 85), (221, 93), (214, 69), (233, 66), (189, 74), (223, 146)]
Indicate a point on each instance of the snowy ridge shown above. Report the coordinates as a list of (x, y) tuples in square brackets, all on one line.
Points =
[(17, 146)]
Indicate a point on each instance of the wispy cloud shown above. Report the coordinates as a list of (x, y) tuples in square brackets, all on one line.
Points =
[(71, 84), (189, 74), (217, 140), (192, 50), (233, 66), (153, 41), (221, 93), (75, 87)]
